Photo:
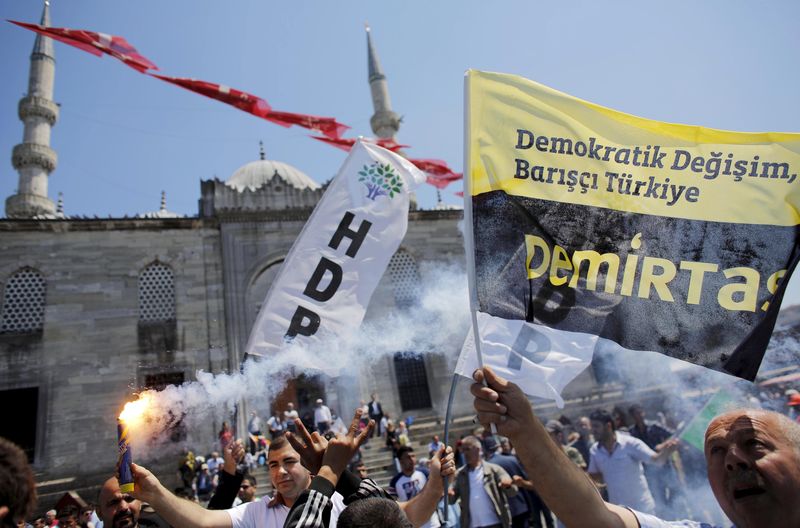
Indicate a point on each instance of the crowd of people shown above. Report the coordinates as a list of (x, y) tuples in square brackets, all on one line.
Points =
[(610, 468)]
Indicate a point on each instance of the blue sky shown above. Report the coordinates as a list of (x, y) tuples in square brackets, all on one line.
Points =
[(122, 137)]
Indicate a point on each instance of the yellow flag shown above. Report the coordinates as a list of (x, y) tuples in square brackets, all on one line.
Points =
[(655, 236)]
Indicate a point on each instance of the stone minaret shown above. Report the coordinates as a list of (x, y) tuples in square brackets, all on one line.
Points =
[(384, 122), (33, 158)]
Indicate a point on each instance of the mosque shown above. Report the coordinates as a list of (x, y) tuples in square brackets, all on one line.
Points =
[(94, 309)]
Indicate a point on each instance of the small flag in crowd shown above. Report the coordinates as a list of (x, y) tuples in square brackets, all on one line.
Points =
[(694, 432)]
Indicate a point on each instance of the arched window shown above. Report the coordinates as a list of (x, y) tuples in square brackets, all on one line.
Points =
[(156, 294), (405, 279), (23, 303)]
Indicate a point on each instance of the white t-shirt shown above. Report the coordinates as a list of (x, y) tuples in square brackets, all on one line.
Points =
[(322, 414), (649, 521), (481, 509), (623, 472), (408, 487), (261, 515)]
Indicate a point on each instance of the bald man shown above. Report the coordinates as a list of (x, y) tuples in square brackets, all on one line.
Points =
[(117, 509), (753, 460)]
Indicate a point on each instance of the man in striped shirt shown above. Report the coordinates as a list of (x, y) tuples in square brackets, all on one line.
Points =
[(316, 506)]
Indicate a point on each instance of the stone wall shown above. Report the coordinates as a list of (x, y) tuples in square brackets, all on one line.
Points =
[(87, 361)]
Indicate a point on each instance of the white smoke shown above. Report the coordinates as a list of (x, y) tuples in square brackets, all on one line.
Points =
[(436, 323)]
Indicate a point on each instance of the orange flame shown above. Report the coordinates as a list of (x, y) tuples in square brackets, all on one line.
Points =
[(133, 411)]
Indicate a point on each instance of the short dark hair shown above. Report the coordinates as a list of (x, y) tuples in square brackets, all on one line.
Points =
[(602, 416), (250, 478), (403, 450), (635, 407), (278, 443), (17, 486), (373, 512)]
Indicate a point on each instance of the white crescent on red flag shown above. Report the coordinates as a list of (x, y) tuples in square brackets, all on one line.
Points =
[(441, 182), (328, 126), (257, 106), (346, 144), (247, 102), (434, 166), (94, 43)]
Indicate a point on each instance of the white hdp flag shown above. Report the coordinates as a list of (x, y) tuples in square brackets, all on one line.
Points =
[(325, 284), (541, 360)]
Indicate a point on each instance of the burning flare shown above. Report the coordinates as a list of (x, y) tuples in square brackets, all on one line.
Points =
[(133, 411)]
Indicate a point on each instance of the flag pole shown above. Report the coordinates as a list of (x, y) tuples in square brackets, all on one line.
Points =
[(469, 235), (447, 417)]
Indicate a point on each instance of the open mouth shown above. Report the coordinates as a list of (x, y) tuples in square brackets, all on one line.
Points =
[(747, 492)]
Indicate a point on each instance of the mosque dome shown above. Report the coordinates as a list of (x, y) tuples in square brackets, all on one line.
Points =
[(257, 173), (163, 212)]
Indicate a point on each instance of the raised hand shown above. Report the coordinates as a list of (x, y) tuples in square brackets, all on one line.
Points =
[(310, 446), (233, 454), (145, 485), (501, 403), (443, 465), (341, 448)]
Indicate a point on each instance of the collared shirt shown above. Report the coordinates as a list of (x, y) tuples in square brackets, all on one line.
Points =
[(322, 414), (623, 472), (650, 521), (275, 423), (214, 464), (272, 513), (375, 408), (435, 446), (481, 509)]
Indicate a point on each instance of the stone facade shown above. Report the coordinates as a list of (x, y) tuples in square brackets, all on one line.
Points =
[(94, 310), (88, 355)]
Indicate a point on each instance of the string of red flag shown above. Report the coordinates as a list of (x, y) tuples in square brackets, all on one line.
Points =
[(438, 173)]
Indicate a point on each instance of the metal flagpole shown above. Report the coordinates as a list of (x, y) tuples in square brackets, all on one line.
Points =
[(469, 235), (447, 417), (469, 249)]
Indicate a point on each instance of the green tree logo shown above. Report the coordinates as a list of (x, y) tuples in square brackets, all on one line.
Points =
[(380, 180)]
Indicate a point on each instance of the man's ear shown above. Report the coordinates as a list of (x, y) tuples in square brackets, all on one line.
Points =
[(3, 512)]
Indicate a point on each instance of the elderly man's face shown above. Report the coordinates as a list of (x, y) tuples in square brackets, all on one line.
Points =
[(753, 469), (117, 509), (472, 454)]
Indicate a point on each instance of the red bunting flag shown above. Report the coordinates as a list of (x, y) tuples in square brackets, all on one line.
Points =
[(346, 144), (436, 167), (242, 100), (257, 106), (440, 182), (438, 173), (94, 43), (327, 126)]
